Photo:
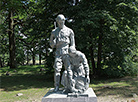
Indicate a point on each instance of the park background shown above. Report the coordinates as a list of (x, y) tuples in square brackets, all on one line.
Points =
[(106, 31)]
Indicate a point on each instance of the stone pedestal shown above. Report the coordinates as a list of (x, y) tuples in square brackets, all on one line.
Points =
[(88, 96)]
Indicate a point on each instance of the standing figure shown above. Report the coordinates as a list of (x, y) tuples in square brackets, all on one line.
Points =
[(61, 38), (75, 78)]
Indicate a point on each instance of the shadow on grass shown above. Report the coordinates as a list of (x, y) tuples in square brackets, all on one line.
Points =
[(26, 81), (26, 77), (124, 87)]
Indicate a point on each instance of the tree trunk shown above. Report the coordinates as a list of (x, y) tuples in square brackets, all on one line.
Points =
[(27, 58), (40, 58), (91, 49), (46, 48), (1, 65), (33, 58), (92, 59), (99, 54), (100, 47), (11, 41), (3, 60)]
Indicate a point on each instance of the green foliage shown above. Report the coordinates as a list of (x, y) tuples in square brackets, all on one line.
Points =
[(131, 64), (110, 25), (105, 31)]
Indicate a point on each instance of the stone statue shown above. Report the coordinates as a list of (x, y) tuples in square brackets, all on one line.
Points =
[(61, 38), (75, 78)]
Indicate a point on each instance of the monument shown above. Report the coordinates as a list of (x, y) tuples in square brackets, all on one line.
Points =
[(75, 78), (61, 38)]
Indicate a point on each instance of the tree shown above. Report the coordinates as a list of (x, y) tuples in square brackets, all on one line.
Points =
[(3, 40), (39, 24), (106, 31), (13, 9)]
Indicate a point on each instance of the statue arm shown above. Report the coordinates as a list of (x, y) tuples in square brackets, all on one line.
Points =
[(72, 39), (68, 68), (52, 40), (85, 64), (86, 67)]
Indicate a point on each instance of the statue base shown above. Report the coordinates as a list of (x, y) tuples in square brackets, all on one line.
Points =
[(87, 96)]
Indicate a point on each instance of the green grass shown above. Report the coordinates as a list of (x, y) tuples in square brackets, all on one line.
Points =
[(123, 87), (34, 84), (27, 80)]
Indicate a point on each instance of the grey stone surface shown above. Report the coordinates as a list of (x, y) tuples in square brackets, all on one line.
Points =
[(87, 96), (61, 38), (75, 78)]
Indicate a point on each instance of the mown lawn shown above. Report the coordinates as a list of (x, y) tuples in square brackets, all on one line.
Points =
[(34, 84), (116, 90), (27, 80)]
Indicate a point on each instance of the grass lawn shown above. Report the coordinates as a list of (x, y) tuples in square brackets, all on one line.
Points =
[(34, 84)]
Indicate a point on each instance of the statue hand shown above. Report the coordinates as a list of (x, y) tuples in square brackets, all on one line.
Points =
[(88, 79), (73, 82), (53, 43)]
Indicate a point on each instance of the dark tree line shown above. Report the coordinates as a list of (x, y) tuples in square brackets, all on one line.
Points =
[(106, 31)]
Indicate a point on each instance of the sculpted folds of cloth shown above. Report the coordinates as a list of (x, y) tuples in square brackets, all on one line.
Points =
[(61, 38), (75, 78)]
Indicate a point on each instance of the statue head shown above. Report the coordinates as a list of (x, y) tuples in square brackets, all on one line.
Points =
[(72, 51), (60, 21)]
